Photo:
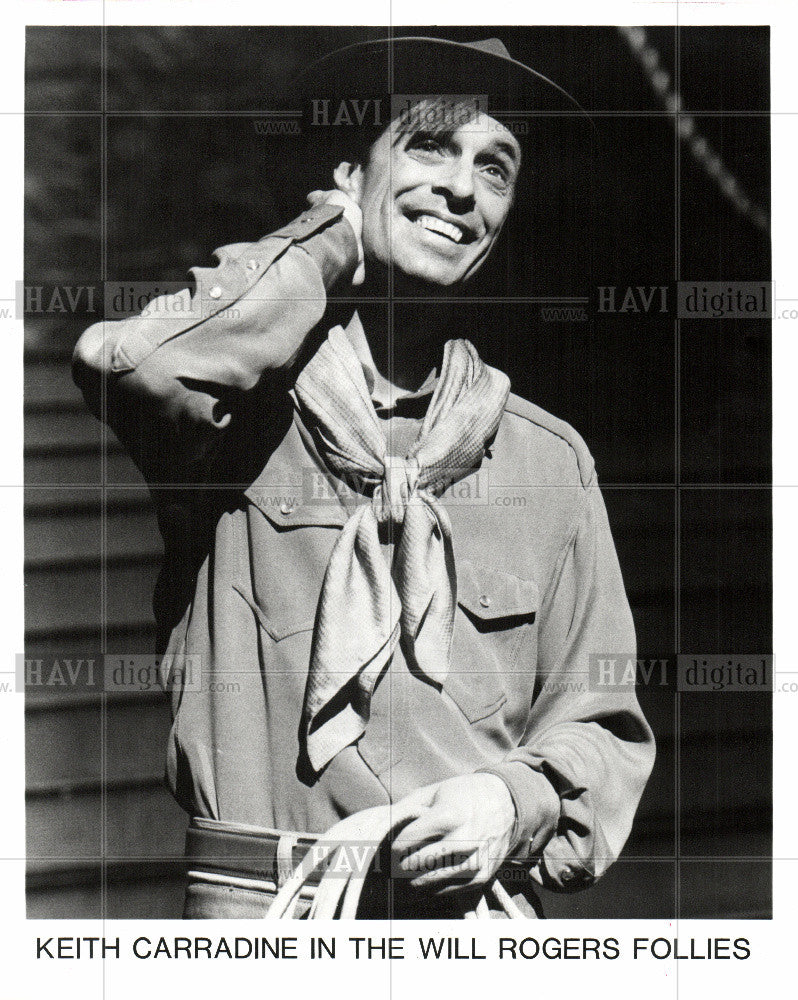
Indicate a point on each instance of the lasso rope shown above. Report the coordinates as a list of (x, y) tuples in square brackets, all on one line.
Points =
[(338, 893), (686, 129)]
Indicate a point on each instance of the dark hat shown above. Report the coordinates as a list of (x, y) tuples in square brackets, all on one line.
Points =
[(417, 65)]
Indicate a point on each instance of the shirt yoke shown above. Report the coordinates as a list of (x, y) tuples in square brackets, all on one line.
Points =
[(555, 444)]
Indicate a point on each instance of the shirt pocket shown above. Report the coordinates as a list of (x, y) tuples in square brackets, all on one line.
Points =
[(279, 623), (495, 619), (289, 548)]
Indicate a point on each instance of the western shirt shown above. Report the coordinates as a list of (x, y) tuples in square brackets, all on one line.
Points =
[(198, 389)]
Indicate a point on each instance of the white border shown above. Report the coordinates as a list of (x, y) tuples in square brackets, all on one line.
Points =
[(772, 942)]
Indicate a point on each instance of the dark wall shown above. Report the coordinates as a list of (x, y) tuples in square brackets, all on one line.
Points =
[(676, 415)]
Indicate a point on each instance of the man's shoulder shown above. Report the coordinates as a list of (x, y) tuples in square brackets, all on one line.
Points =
[(547, 441)]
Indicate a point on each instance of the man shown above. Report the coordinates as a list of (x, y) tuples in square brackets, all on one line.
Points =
[(391, 644)]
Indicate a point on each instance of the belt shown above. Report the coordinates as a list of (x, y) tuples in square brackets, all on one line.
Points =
[(237, 849), (254, 857)]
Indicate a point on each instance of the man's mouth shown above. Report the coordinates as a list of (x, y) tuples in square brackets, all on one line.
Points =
[(453, 231)]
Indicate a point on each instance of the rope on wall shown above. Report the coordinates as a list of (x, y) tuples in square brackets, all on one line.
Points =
[(687, 130)]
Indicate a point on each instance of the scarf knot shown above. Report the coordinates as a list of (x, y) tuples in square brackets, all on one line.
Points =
[(399, 484), (366, 605)]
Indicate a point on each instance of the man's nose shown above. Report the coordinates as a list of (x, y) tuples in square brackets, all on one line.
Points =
[(457, 185)]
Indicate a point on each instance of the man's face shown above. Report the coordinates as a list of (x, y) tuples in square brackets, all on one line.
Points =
[(435, 201)]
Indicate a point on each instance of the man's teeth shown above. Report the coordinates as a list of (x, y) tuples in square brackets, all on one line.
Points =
[(436, 225)]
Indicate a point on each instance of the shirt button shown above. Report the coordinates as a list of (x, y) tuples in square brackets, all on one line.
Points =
[(215, 292), (286, 508), (253, 265), (484, 601), (568, 875)]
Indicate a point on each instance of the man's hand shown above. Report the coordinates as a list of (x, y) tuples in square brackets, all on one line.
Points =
[(461, 833), (353, 216)]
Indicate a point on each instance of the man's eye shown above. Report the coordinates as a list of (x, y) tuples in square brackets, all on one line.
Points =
[(497, 174), (426, 145)]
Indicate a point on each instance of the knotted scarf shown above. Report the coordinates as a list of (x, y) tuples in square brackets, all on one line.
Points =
[(365, 604)]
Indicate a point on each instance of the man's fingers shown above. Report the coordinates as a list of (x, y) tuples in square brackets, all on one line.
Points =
[(415, 803), (429, 826), (439, 856), (450, 877), (458, 886)]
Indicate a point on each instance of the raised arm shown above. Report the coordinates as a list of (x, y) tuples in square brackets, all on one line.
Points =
[(172, 374)]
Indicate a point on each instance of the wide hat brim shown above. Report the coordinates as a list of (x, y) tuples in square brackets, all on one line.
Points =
[(417, 65)]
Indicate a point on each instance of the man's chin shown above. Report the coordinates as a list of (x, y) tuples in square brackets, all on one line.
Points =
[(416, 278), (436, 277), (423, 283)]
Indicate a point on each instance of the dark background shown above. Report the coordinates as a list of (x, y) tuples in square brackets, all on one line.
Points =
[(142, 178)]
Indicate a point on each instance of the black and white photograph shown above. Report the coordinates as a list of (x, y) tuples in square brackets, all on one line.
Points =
[(396, 475), (397, 463)]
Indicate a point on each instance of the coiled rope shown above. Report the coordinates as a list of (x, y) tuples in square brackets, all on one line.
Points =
[(338, 893)]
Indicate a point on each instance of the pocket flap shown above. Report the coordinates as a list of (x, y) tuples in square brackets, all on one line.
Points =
[(492, 595), (284, 621), (285, 507), (292, 492)]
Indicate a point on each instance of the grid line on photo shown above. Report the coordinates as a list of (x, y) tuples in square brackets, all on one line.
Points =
[(104, 496), (107, 485), (677, 69)]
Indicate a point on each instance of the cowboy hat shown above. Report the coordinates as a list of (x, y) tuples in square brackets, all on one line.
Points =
[(419, 65)]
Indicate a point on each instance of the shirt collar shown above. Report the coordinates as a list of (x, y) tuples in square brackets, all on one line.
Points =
[(357, 337)]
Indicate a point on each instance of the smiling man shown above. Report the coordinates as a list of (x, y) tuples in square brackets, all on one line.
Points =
[(391, 645), (435, 190)]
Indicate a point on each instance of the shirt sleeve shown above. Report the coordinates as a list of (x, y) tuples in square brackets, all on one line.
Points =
[(577, 778), (167, 381)]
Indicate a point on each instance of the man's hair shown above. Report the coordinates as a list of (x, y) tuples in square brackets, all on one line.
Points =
[(435, 116)]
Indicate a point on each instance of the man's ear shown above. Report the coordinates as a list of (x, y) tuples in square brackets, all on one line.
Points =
[(348, 177)]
